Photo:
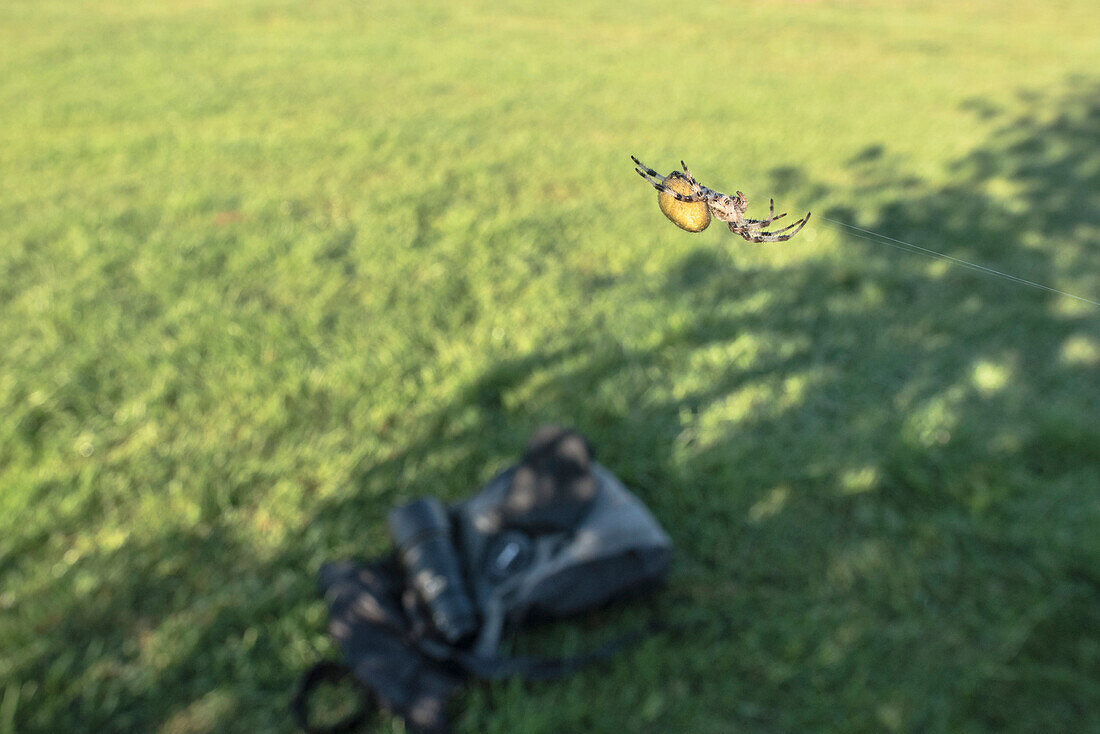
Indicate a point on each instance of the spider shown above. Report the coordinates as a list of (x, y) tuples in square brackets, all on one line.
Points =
[(730, 209)]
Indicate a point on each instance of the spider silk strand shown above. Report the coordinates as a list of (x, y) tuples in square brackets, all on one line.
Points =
[(882, 239)]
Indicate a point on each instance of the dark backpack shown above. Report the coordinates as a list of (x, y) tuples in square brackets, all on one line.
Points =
[(555, 535)]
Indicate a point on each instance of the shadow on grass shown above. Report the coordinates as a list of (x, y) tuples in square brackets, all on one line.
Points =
[(883, 473)]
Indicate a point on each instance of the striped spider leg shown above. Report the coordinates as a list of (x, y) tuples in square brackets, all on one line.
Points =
[(777, 236), (657, 181), (752, 229), (772, 216)]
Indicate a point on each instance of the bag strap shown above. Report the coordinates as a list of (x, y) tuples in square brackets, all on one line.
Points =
[(329, 671), (497, 667)]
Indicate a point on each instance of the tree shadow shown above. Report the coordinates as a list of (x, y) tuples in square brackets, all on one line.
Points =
[(880, 472)]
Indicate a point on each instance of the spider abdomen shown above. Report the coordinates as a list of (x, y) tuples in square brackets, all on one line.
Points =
[(694, 216)]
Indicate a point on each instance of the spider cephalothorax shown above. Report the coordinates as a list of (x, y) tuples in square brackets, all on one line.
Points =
[(697, 204)]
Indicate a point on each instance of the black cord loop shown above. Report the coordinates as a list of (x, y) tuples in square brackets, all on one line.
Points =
[(329, 671)]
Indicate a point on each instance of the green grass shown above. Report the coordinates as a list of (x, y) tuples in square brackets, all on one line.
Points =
[(268, 268)]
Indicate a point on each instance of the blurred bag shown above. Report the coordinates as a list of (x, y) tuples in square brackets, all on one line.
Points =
[(555, 535)]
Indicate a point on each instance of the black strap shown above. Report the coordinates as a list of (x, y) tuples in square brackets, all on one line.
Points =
[(329, 671), (532, 668)]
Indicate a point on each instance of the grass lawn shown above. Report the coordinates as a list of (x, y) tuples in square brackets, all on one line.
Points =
[(268, 268)]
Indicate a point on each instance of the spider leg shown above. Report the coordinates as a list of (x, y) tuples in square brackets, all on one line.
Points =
[(702, 191), (687, 174), (758, 223), (694, 196), (646, 168), (776, 236), (660, 186), (771, 214), (656, 180), (796, 226)]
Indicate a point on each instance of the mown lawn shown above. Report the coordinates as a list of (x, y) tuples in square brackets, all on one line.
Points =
[(269, 267)]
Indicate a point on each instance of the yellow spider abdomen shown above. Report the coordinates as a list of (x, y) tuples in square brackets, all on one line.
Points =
[(694, 216)]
